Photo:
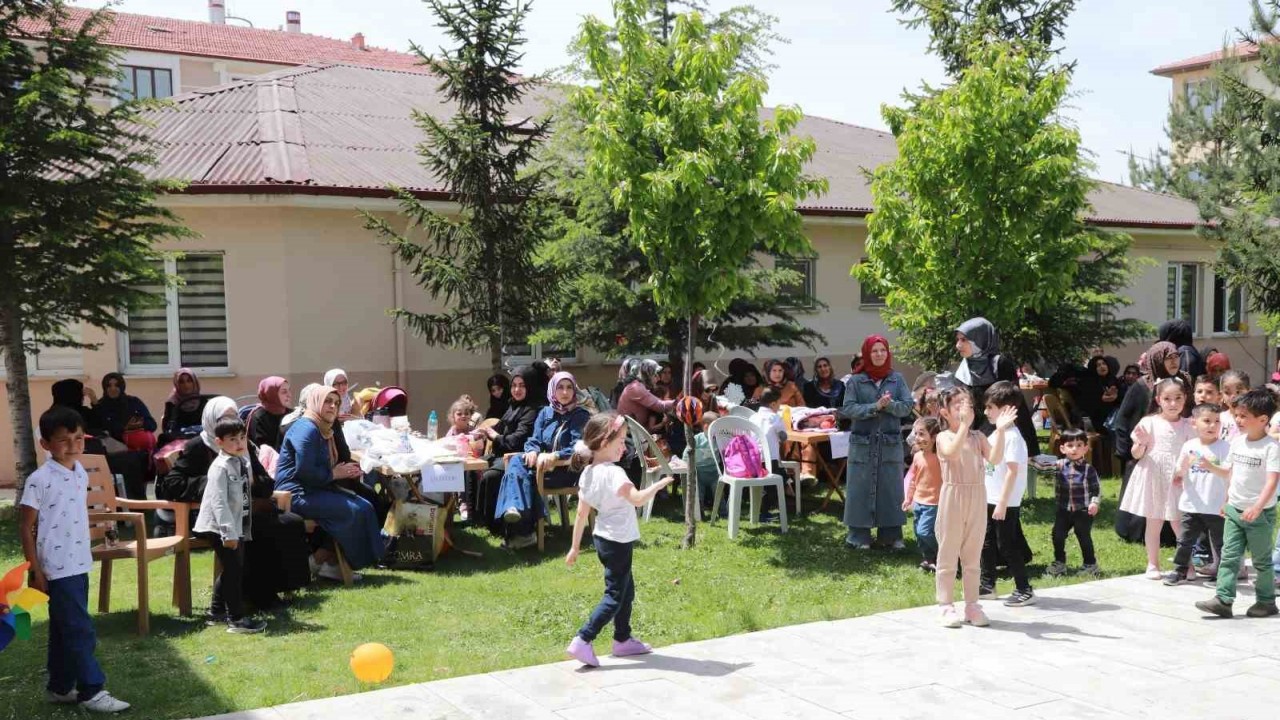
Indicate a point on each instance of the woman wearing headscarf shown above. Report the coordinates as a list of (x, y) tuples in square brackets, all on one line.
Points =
[(638, 401), (183, 408), (628, 371), (337, 379), (743, 374), (777, 375), (981, 366), (310, 468), (558, 426), (73, 394), (125, 417), (508, 436), (1180, 333), (499, 395), (876, 399), (1097, 392), (796, 368), (276, 559), (823, 389), (274, 399), (1216, 364)]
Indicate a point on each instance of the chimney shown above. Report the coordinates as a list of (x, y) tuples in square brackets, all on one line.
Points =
[(358, 41), (218, 12), (293, 21)]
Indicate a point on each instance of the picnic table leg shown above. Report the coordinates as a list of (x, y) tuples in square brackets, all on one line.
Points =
[(833, 480)]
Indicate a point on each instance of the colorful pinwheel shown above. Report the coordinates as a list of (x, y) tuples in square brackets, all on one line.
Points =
[(16, 604)]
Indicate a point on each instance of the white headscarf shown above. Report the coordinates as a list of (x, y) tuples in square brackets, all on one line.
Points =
[(287, 420), (214, 411), (334, 374)]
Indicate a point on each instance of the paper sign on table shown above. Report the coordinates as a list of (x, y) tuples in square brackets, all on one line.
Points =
[(839, 445), (443, 478)]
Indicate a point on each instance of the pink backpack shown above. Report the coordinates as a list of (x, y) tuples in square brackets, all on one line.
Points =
[(742, 458)]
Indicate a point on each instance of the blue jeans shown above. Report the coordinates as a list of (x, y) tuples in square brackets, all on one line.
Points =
[(926, 538), (72, 639), (619, 592)]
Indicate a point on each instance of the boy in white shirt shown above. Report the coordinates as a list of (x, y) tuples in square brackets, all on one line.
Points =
[(1202, 495), (1254, 471), (54, 523), (1006, 485)]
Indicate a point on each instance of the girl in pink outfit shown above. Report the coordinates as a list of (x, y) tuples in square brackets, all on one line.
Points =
[(1157, 440), (962, 504)]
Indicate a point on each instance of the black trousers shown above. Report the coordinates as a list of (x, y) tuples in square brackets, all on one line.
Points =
[(1004, 540), (1079, 521), (228, 587), (1194, 527), (276, 560)]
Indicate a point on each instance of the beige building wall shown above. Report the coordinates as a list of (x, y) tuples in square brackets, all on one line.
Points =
[(308, 289)]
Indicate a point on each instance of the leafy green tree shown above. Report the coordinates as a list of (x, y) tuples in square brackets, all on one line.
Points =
[(982, 214), (1224, 155), (78, 220), (956, 25), (480, 264), (675, 129), (603, 279)]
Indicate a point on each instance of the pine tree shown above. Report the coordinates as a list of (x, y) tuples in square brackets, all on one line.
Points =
[(480, 264), (1224, 154), (78, 220), (956, 25)]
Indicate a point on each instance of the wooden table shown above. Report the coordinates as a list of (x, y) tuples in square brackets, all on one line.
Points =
[(833, 471), (442, 540)]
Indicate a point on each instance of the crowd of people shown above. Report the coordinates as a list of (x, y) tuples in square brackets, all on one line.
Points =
[(1198, 450)]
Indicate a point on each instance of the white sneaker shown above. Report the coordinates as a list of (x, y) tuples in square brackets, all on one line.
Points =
[(330, 571), (104, 703), (1153, 573), (950, 618)]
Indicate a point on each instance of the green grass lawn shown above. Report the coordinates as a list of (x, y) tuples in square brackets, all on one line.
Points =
[(497, 611)]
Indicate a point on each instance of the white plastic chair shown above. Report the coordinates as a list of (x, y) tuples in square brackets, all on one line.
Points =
[(741, 411), (652, 462), (720, 432)]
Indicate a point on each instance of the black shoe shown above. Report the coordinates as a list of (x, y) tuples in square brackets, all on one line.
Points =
[(1020, 598), (1214, 606), (216, 618), (246, 626), (1261, 610), (1175, 577), (986, 592)]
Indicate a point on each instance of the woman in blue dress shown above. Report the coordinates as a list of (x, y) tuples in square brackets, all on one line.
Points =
[(557, 427), (309, 469), (876, 399)]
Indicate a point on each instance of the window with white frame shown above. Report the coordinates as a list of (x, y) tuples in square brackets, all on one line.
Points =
[(140, 83), (190, 328), (1228, 307), (516, 353), (1182, 293), (802, 292), (1204, 94), (866, 297)]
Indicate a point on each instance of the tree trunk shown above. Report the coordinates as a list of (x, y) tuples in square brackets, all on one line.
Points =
[(15, 365), (691, 483), (495, 355)]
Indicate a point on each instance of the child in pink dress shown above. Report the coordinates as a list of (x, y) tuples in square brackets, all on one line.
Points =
[(1157, 440)]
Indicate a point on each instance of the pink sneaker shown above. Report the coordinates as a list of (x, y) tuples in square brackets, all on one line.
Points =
[(582, 652), (974, 615), (630, 646)]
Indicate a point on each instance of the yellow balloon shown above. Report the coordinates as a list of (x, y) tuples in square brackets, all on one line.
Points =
[(372, 662)]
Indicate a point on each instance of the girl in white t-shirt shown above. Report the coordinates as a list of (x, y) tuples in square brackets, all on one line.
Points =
[(605, 488)]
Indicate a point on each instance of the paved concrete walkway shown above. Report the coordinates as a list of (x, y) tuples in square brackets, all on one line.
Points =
[(1128, 647)]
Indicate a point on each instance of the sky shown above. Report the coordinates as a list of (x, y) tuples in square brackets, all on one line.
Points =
[(844, 58)]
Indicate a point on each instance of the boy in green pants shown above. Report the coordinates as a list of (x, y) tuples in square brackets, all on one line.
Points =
[(1254, 469)]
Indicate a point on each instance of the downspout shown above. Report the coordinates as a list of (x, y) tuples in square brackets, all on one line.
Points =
[(397, 283)]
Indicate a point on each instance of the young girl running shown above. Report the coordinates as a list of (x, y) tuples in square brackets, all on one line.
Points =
[(605, 488), (1157, 440), (962, 504)]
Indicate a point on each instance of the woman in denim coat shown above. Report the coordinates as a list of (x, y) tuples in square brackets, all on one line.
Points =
[(876, 399)]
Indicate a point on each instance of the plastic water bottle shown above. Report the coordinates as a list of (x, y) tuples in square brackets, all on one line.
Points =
[(433, 426)]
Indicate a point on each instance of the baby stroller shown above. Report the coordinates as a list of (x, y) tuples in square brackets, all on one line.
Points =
[(391, 401)]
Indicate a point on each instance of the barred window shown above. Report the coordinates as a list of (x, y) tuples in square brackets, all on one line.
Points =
[(190, 328)]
